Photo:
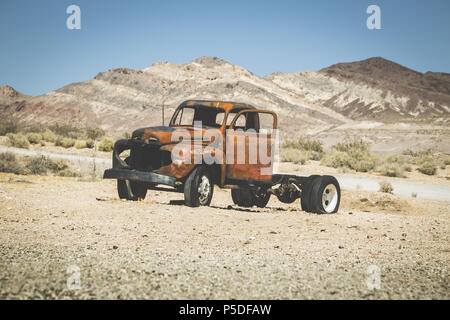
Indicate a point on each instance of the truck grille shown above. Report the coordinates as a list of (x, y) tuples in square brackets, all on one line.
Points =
[(148, 157)]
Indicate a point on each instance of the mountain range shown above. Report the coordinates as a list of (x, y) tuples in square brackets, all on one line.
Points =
[(123, 99)]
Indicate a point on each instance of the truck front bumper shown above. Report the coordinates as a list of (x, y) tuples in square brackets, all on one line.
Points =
[(139, 176)]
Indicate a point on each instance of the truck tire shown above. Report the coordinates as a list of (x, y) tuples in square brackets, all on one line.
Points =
[(131, 190), (242, 197), (306, 193), (248, 198), (325, 195), (198, 188), (261, 198)]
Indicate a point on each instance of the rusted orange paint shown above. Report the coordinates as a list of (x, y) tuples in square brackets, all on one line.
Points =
[(178, 169)]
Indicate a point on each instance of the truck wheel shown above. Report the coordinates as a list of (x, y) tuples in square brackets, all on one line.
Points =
[(198, 188), (261, 198), (306, 193), (242, 197), (248, 198), (325, 195), (131, 190)]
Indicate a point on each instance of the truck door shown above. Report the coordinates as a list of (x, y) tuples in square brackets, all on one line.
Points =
[(249, 144)]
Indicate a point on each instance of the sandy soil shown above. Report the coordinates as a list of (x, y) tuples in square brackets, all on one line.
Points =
[(159, 249)]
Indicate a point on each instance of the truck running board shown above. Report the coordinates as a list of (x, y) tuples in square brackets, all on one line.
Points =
[(139, 176)]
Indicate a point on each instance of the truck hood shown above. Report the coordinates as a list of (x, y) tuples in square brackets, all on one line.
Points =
[(160, 134)]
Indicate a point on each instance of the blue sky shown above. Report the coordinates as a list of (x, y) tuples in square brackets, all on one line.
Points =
[(38, 53)]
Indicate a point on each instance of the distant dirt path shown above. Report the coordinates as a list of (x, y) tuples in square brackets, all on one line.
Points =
[(71, 157), (402, 187)]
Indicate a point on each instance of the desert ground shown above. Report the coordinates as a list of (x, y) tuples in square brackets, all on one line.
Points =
[(55, 230)]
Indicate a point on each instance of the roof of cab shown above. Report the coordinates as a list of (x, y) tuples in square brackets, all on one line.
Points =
[(227, 105)]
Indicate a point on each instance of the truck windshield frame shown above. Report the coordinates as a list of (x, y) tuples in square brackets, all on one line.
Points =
[(207, 115)]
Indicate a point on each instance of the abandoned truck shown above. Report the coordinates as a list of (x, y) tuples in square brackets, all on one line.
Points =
[(211, 143)]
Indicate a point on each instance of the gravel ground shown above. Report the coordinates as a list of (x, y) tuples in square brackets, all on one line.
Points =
[(53, 227)]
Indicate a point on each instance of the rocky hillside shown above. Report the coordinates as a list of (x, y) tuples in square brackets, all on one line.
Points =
[(9, 95), (374, 89), (122, 99)]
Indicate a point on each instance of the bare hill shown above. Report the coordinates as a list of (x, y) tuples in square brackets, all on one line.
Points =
[(9, 95), (122, 99), (374, 89)]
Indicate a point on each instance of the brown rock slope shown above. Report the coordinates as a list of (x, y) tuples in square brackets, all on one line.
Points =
[(374, 89), (121, 99)]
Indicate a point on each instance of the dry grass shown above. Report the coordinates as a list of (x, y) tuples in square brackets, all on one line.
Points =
[(34, 137), (427, 166), (37, 165), (106, 144), (65, 135), (386, 187), (300, 150), (352, 154), (18, 140), (10, 163)]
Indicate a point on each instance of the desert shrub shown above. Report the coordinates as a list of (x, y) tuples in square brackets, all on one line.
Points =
[(65, 142), (394, 166), (292, 155), (18, 140), (364, 165), (427, 166), (386, 187), (313, 155), (41, 165), (407, 167), (66, 130), (414, 155), (414, 194), (336, 159), (353, 154), (59, 165), (68, 173), (358, 161), (9, 163), (106, 144), (309, 144), (80, 144), (305, 144), (49, 136), (307, 149), (447, 162), (89, 143), (8, 127), (34, 137), (396, 158), (95, 133), (351, 146), (391, 170)]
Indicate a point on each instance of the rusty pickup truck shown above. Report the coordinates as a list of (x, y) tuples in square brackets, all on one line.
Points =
[(215, 143)]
